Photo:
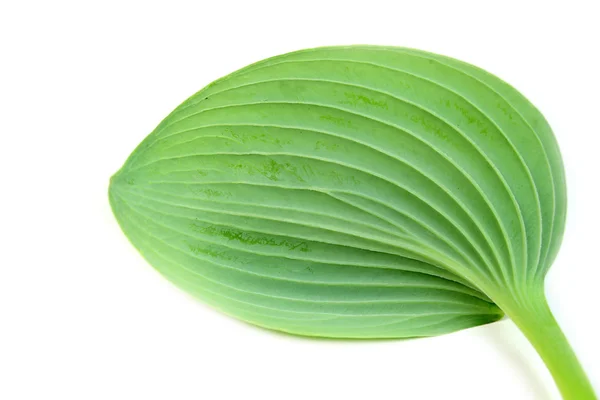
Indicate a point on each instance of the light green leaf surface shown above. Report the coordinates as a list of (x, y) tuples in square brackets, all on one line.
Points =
[(356, 192)]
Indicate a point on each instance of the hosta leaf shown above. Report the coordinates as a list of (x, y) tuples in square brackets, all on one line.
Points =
[(359, 192)]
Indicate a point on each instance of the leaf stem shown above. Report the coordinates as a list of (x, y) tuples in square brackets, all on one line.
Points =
[(538, 324)]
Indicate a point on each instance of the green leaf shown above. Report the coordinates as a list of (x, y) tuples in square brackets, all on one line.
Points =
[(358, 192)]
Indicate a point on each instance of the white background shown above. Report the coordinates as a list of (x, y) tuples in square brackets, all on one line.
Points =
[(82, 316)]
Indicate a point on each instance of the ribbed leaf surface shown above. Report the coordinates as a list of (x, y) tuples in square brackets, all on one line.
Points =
[(350, 192)]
